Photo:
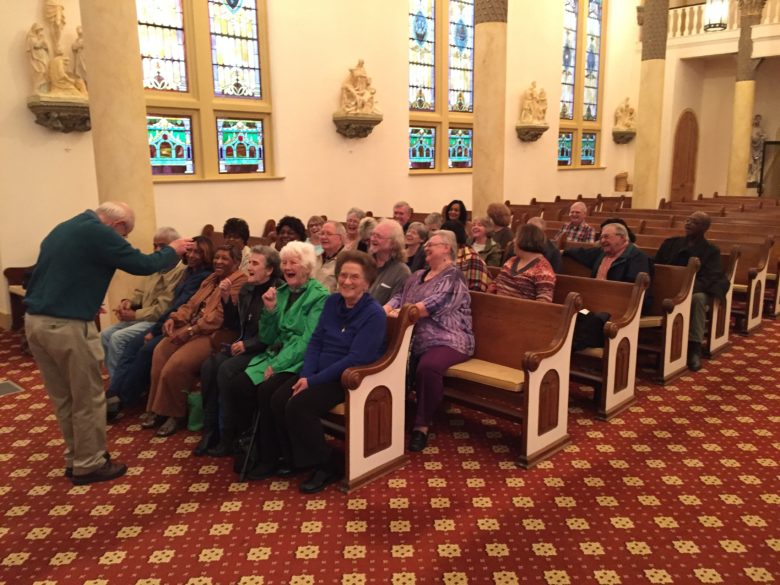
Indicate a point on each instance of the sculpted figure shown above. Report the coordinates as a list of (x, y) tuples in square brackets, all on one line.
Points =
[(54, 13), (529, 105), (38, 50), (540, 109), (77, 48), (357, 95), (624, 117), (61, 81), (757, 138)]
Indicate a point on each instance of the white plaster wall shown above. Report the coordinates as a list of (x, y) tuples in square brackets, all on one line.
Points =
[(534, 54), (45, 176)]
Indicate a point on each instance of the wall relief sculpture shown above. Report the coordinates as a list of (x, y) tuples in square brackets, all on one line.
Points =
[(59, 96), (624, 129), (359, 109), (533, 111), (757, 139)]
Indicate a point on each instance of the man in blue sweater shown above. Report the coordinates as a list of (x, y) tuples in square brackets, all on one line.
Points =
[(76, 263)]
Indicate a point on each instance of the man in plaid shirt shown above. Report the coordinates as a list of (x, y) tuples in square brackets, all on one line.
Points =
[(577, 230)]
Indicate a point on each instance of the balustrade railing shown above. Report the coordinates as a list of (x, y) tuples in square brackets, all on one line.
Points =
[(689, 20)]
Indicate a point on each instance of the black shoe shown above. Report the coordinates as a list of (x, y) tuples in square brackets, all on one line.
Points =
[(694, 356), (69, 470), (261, 471), (153, 422), (223, 449), (319, 480), (286, 470), (109, 471), (419, 441), (206, 442)]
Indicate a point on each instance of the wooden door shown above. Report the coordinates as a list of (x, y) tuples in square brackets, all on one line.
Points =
[(686, 148)]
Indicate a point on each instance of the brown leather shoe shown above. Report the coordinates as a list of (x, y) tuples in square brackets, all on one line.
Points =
[(169, 427), (110, 470)]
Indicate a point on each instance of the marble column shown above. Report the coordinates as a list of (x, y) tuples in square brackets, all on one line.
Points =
[(490, 20), (650, 109), (118, 114), (744, 98)]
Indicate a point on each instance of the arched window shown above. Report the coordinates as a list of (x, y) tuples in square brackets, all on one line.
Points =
[(207, 62), (441, 82), (579, 136)]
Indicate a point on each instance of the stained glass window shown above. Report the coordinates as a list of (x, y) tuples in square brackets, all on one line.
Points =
[(461, 56), (565, 140), (592, 61), (422, 54), (422, 148), (161, 36), (569, 59), (588, 149), (460, 148), (240, 146), (170, 145), (235, 53)]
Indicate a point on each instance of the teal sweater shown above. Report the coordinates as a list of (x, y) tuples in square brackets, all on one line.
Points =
[(76, 263), (287, 330)]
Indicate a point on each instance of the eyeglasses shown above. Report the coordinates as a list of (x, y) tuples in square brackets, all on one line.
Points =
[(432, 244)]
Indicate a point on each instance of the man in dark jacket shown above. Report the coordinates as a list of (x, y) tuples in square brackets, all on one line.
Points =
[(710, 280), (75, 266)]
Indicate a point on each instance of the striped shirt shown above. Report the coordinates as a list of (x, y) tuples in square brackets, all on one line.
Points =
[(535, 281)]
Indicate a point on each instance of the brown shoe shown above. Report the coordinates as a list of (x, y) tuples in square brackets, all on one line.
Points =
[(169, 427), (110, 470), (153, 422)]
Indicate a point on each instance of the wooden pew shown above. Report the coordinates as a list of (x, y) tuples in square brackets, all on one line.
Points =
[(719, 314), (664, 329), (616, 378), (371, 419), (520, 368)]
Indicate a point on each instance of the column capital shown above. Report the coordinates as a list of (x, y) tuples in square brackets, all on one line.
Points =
[(490, 11), (655, 29), (751, 7)]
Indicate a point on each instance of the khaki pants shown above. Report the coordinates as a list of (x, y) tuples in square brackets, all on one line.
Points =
[(68, 353)]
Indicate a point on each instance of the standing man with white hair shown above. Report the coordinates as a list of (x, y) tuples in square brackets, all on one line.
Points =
[(577, 230), (76, 263)]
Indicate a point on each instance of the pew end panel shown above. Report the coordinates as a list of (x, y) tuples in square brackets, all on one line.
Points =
[(371, 419), (664, 331), (616, 377), (524, 375), (750, 284), (719, 323)]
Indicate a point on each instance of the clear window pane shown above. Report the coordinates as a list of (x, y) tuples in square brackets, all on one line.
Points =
[(170, 144), (422, 51), (461, 56), (565, 140), (588, 149), (422, 148), (235, 53), (161, 36), (460, 148), (241, 147)]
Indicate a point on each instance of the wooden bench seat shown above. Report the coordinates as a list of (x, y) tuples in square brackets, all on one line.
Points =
[(371, 419), (615, 378), (520, 368)]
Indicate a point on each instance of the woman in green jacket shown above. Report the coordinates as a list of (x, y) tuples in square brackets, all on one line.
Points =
[(287, 321)]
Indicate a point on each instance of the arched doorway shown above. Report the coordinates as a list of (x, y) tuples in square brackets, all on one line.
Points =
[(686, 148)]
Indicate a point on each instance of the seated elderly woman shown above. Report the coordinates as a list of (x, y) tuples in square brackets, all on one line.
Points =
[(389, 252), (366, 228), (287, 321), (501, 217), (178, 357), (289, 229), (416, 236), (482, 242), (352, 226), (220, 368), (528, 274), (350, 332), (313, 228), (443, 336), (473, 267)]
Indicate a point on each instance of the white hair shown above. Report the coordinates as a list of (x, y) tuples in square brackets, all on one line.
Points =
[(305, 253), (166, 233), (449, 239), (117, 211)]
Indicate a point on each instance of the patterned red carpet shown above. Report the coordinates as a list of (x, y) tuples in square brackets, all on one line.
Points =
[(682, 488)]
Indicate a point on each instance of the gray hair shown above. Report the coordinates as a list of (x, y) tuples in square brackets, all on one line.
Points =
[(579, 204), (117, 211), (166, 233), (434, 221), (304, 251), (339, 227), (366, 227), (487, 223), (620, 229), (403, 204), (356, 211), (396, 237), (449, 239), (271, 256), (420, 229), (538, 222)]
